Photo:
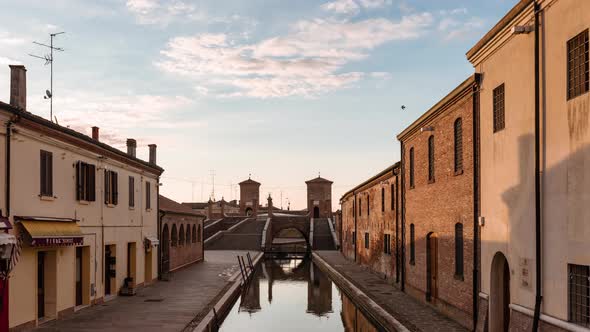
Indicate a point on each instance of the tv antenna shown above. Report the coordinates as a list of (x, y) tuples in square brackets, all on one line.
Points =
[(49, 61)]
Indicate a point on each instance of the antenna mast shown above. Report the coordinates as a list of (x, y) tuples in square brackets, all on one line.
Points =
[(49, 61)]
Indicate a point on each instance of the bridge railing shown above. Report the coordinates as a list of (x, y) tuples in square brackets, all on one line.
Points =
[(333, 232)]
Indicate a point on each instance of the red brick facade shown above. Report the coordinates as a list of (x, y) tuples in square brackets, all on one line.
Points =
[(376, 218), (439, 205), (319, 197)]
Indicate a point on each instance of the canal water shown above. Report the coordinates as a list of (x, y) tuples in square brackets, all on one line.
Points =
[(294, 295)]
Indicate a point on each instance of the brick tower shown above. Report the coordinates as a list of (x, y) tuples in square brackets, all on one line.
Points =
[(249, 197), (319, 197)]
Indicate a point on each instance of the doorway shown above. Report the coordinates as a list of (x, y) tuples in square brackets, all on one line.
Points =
[(148, 274), (110, 269), (316, 212), (431, 266), (46, 285), (500, 294), (79, 265), (40, 284), (165, 250)]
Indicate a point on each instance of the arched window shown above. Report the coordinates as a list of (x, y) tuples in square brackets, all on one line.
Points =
[(194, 237), (431, 158), (412, 167), (459, 249), (458, 145), (382, 199), (188, 234), (199, 233), (412, 245), (165, 235), (181, 236), (174, 236)]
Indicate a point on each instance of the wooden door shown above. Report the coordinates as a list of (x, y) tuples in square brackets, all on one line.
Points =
[(40, 284), (431, 266), (107, 270), (79, 275)]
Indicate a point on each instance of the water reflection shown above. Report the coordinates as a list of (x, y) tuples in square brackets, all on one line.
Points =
[(299, 297)]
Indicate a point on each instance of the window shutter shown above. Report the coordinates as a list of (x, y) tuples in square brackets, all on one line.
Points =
[(50, 174), (115, 188), (78, 180), (43, 173), (131, 191), (107, 187), (91, 195), (147, 195)]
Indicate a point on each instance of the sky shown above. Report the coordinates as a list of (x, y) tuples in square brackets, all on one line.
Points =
[(283, 90)]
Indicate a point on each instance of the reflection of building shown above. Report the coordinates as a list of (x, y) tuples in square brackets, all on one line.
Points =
[(353, 319), (95, 214), (509, 98), (319, 198), (319, 292)]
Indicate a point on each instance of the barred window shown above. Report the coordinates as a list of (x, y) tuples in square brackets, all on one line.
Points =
[(577, 65), (412, 245), (412, 167), (499, 108), (459, 250), (458, 145), (431, 158), (579, 294)]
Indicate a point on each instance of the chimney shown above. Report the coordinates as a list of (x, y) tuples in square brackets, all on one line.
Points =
[(152, 153), (95, 133), (18, 86), (131, 147)]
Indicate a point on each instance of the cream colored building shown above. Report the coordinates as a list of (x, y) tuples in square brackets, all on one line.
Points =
[(505, 58), (86, 214)]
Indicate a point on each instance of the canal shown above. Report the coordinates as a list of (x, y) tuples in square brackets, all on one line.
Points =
[(294, 295)]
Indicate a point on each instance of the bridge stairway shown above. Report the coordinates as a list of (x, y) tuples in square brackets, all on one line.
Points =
[(246, 236), (322, 236), (214, 226)]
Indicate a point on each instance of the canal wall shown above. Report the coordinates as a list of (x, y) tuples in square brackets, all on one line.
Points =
[(214, 318), (370, 307)]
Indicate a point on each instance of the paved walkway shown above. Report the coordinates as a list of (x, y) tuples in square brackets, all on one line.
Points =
[(414, 315), (163, 306)]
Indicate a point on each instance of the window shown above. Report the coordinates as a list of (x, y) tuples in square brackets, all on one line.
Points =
[(366, 240), (392, 196), (85, 182), (411, 167), (148, 195), (382, 199), (459, 250), (174, 236), (577, 65), (111, 187), (194, 237), (131, 191), (46, 173), (579, 294), (458, 145), (354, 208), (431, 158), (387, 244), (199, 234), (412, 245), (188, 234), (181, 235), (499, 108), (354, 238), (360, 207), (368, 205)]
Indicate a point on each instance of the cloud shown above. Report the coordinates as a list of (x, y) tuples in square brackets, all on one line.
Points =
[(353, 7), (163, 12), (8, 61), (455, 25), (307, 61), (116, 114), (8, 39)]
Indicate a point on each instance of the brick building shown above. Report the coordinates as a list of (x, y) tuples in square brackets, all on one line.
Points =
[(181, 235), (249, 197), (319, 197), (370, 216), (438, 198)]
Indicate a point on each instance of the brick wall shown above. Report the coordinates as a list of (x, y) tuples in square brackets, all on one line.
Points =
[(434, 207), (190, 251)]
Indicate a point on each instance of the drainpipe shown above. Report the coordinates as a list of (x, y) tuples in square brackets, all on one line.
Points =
[(403, 212), (475, 275), (396, 226), (159, 231), (8, 134), (539, 295), (355, 225)]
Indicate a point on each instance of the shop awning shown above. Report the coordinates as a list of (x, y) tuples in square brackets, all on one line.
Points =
[(152, 241), (53, 233)]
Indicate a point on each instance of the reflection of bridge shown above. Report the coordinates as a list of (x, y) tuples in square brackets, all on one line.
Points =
[(259, 233), (319, 286)]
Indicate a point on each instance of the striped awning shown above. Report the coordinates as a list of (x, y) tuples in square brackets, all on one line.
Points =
[(53, 233)]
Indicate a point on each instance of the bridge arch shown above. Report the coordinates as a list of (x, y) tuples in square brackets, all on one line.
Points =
[(278, 224)]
